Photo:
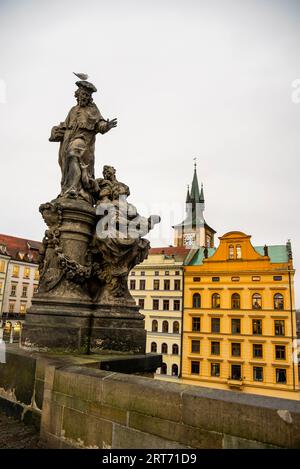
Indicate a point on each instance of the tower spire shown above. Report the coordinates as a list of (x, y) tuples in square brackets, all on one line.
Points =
[(195, 193)]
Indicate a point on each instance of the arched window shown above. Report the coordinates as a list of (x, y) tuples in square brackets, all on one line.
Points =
[(196, 300), (175, 349), (256, 301), (154, 326), (174, 370), (215, 301), (164, 348), (278, 301), (175, 327), (231, 252), (165, 326), (163, 369), (235, 301), (238, 252), (153, 347)]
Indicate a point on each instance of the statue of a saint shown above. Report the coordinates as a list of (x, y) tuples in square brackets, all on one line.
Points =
[(77, 135)]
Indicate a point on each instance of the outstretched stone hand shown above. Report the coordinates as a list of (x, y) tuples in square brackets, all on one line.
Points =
[(112, 123)]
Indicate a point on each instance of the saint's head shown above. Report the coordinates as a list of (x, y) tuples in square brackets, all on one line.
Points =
[(84, 92)]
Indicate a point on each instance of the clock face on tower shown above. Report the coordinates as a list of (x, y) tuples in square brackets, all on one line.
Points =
[(189, 239)]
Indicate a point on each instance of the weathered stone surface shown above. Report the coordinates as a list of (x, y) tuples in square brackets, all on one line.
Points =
[(129, 438), (234, 442), (144, 395), (244, 415), (170, 430)]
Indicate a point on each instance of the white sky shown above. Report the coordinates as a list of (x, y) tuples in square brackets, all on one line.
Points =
[(204, 78)]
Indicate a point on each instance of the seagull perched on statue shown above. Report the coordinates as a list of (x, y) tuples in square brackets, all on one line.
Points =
[(82, 76)]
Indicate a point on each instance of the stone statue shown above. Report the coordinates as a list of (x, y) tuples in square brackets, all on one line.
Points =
[(77, 136), (94, 238), (118, 238)]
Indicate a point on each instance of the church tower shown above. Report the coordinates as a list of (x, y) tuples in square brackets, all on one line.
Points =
[(194, 232)]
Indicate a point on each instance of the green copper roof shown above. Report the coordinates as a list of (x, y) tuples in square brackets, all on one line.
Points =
[(195, 193), (277, 254), (199, 256)]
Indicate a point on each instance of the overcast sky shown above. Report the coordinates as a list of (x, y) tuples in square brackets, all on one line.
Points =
[(190, 78)]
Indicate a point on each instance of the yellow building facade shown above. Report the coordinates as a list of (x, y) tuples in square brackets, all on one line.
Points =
[(4, 260), (239, 323)]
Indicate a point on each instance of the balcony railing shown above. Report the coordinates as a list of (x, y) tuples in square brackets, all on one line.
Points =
[(7, 316)]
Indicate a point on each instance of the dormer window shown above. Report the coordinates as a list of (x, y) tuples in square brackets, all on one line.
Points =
[(231, 252), (238, 252)]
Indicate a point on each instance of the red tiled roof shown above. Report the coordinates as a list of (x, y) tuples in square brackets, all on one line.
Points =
[(170, 251), (16, 246)]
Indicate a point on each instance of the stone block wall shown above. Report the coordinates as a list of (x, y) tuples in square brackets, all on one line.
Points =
[(97, 409)]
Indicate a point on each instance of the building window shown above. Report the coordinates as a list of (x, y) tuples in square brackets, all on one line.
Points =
[(13, 289), (11, 307), (215, 301), (215, 324), (36, 275), (132, 284), (236, 349), (177, 285), (195, 368), (155, 284), (26, 272), (256, 301), (256, 278), (154, 326), (7, 331), (257, 351), (257, 326), (166, 305), (236, 372), (2, 267), (176, 305), (196, 279), (215, 369), (142, 284), (165, 327), (231, 252), (196, 324), (235, 301), (155, 305), (258, 373), (24, 291), (141, 303), (177, 272), (277, 278), (16, 271), (280, 375), (195, 346), (279, 325), (238, 252), (235, 326), (164, 369), (175, 327), (35, 289), (156, 273), (142, 273), (196, 300), (175, 349), (235, 279), (174, 370), (278, 301), (153, 347), (22, 308), (215, 348), (280, 352), (215, 279), (167, 272), (166, 284), (132, 273), (164, 348)]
